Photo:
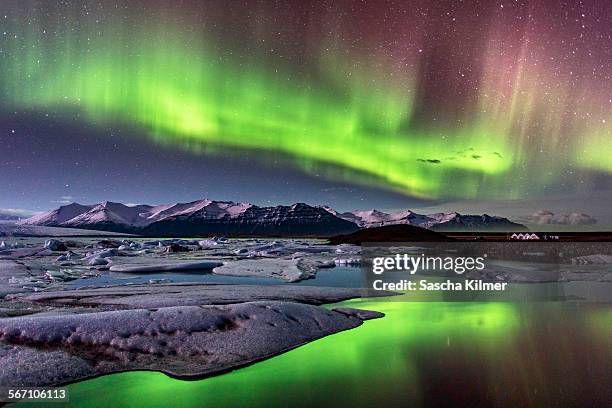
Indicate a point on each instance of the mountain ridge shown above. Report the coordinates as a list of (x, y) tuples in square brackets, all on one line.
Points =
[(452, 221), (240, 218)]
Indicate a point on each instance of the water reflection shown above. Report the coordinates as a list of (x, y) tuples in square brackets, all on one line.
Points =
[(420, 354)]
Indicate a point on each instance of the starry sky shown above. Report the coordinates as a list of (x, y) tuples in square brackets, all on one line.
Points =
[(355, 104)]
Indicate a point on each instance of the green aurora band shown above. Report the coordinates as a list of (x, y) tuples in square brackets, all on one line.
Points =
[(172, 84)]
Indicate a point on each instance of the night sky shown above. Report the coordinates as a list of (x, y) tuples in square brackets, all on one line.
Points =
[(355, 104)]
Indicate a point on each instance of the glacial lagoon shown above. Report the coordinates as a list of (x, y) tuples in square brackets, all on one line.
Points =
[(420, 354), (547, 347)]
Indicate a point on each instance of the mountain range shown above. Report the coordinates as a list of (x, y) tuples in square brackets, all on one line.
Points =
[(452, 221), (206, 217)]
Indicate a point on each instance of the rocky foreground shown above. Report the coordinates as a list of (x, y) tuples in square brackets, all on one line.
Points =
[(62, 321), (182, 341), (53, 333)]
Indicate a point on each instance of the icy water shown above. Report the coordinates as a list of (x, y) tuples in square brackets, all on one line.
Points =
[(207, 276), (340, 276), (353, 277), (420, 354)]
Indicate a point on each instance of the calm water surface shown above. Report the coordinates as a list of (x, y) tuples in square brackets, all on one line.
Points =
[(421, 354)]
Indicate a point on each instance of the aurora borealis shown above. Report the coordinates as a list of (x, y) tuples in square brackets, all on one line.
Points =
[(455, 100)]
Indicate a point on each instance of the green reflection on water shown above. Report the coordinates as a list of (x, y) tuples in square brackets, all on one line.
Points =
[(420, 354), (356, 367)]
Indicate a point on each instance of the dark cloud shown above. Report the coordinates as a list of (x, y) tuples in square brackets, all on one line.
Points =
[(14, 213)]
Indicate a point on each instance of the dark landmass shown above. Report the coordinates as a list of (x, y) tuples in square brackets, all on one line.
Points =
[(390, 233)]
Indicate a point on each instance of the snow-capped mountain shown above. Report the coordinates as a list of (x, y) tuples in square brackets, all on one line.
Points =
[(198, 218), (204, 217), (484, 222), (59, 215), (439, 221), (242, 219), (112, 214)]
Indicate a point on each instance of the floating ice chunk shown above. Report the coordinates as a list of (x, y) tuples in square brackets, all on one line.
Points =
[(55, 245), (97, 261), (286, 269), (106, 253), (61, 276), (207, 243)]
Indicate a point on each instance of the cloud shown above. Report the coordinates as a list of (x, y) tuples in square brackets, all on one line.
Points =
[(338, 188), (433, 161), (16, 212), (64, 200), (544, 217)]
